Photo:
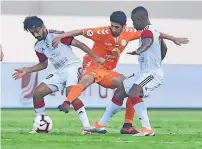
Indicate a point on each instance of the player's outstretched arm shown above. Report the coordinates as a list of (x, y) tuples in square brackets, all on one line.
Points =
[(58, 38), (1, 53), (38, 67), (146, 43), (176, 40), (87, 50), (20, 72)]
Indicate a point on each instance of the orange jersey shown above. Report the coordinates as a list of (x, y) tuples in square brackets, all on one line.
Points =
[(105, 44)]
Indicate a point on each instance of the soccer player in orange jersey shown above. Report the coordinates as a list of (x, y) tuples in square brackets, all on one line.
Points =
[(109, 43)]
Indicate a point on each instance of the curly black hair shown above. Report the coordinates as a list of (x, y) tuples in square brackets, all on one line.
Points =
[(32, 21)]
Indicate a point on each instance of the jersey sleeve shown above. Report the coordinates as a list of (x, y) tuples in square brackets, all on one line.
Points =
[(39, 52), (147, 34), (92, 33), (41, 56), (67, 40)]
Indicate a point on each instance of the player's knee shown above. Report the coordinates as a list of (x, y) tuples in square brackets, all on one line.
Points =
[(118, 84), (120, 94), (135, 90), (37, 95), (121, 77), (118, 81), (87, 80)]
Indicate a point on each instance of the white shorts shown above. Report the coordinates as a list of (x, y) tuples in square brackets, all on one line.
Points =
[(147, 81), (63, 78)]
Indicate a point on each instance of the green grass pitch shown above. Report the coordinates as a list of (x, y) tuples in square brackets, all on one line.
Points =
[(175, 129)]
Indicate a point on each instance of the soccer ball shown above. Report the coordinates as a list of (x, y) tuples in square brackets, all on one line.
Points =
[(42, 124)]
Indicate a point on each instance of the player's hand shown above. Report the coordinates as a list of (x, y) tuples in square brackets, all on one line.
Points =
[(56, 41), (110, 58), (179, 41), (132, 53), (116, 52), (19, 73), (100, 60)]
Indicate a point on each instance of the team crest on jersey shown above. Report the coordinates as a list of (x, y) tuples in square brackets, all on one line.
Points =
[(89, 33), (123, 42)]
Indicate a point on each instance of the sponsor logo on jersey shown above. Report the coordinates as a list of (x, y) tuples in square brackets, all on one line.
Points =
[(89, 33)]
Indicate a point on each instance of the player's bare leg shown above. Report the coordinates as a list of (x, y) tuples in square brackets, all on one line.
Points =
[(141, 110), (38, 98), (75, 92)]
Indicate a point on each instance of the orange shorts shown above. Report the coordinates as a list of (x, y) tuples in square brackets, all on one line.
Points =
[(102, 76)]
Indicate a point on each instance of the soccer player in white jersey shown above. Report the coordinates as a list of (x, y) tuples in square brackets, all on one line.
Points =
[(66, 64), (139, 85)]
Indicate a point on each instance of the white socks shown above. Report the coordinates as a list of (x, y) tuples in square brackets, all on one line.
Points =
[(40, 111), (141, 112), (83, 117), (110, 111)]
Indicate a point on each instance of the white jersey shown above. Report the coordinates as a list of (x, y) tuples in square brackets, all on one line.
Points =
[(151, 73), (60, 57), (150, 60)]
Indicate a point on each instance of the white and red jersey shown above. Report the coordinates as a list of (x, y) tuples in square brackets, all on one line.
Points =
[(60, 57), (150, 60)]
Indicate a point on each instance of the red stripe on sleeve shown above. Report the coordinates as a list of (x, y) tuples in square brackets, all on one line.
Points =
[(41, 56), (67, 40), (147, 34)]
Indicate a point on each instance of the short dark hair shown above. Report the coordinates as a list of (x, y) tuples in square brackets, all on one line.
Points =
[(32, 21), (118, 17), (140, 9)]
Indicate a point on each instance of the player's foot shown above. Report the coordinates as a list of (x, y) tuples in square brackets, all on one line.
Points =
[(33, 131), (65, 106), (128, 130), (96, 128), (145, 132), (84, 132)]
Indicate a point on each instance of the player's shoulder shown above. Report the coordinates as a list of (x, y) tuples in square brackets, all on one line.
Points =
[(52, 33), (150, 28), (103, 30), (36, 43), (129, 30), (131, 33), (38, 46)]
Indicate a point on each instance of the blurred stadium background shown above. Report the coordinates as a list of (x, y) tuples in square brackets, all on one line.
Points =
[(182, 88)]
